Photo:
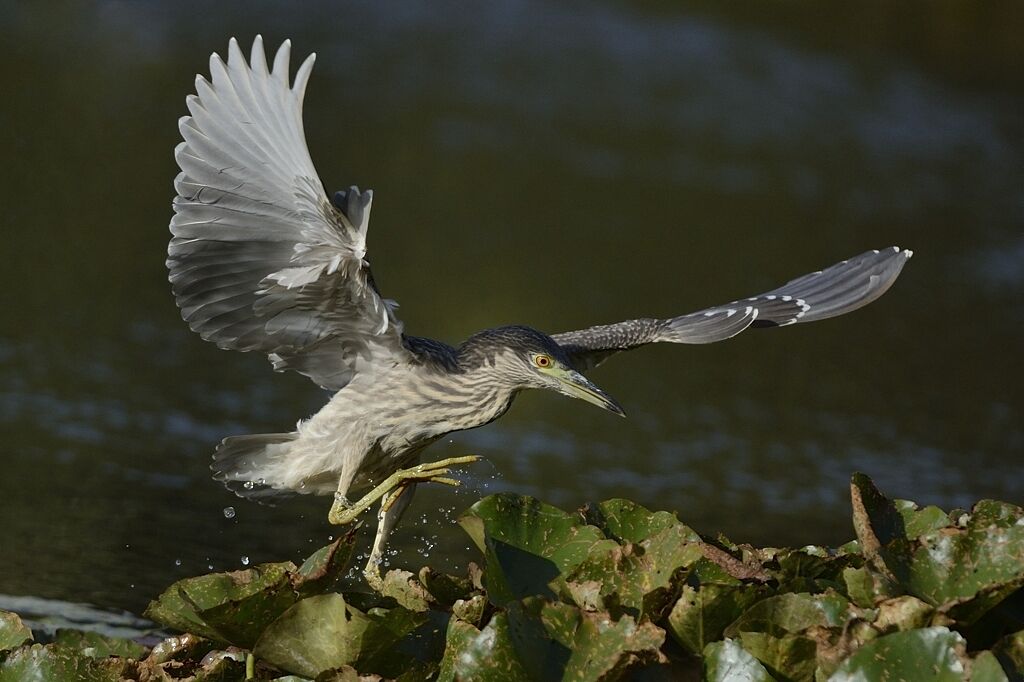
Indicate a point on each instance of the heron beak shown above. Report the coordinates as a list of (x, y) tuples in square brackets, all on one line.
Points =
[(575, 385)]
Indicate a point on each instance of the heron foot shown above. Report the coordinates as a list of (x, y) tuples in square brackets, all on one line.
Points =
[(344, 512)]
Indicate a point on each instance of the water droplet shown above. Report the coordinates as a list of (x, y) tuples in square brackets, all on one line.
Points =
[(330, 538), (229, 512), (245, 561), (209, 567), (248, 485), (177, 562)]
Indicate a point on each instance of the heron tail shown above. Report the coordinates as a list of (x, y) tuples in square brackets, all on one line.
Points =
[(246, 464)]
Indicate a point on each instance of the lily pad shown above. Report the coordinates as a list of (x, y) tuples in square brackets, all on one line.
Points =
[(917, 521), (539, 640), (985, 668), (96, 645), (315, 635), (792, 613), (55, 663), (727, 661), (488, 654), (985, 559), (925, 654), (1010, 652), (13, 633), (323, 569), (231, 608), (627, 521), (528, 544), (701, 614), (640, 578)]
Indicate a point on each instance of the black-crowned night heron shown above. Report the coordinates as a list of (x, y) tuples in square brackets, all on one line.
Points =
[(262, 260)]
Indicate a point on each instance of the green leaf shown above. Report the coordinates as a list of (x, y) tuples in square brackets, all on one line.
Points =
[(627, 521), (701, 614), (324, 568), (639, 579), (1010, 652), (787, 657), (528, 544), (970, 569), (928, 654), (793, 613), (985, 668), (459, 636), (865, 587), (231, 608), (445, 589), (489, 655), (96, 645), (13, 632), (917, 522), (875, 519), (903, 613), (314, 635), (727, 661), (54, 663)]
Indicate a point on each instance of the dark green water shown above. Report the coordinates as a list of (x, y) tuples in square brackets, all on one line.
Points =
[(558, 165)]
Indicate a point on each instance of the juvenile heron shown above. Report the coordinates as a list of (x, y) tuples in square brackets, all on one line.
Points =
[(262, 260)]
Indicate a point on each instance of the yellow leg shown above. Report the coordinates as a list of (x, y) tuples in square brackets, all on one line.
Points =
[(392, 506), (344, 512)]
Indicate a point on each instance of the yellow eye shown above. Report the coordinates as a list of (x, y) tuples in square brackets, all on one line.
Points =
[(543, 361)]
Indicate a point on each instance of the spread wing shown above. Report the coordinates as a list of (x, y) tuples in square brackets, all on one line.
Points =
[(260, 259), (839, 289)]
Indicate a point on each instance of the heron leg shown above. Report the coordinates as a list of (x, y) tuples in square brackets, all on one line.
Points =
[(343, 511), (392, 505)]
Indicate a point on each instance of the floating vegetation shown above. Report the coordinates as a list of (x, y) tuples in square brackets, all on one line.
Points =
[(610, 590)]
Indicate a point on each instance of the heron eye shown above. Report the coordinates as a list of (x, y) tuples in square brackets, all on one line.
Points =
[(542, 360)]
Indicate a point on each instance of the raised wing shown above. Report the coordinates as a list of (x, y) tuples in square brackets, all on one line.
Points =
[(260, 259), (839, 289)]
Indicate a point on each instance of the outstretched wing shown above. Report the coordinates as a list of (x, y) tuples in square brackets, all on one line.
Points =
[(260, 259), (839, 289)]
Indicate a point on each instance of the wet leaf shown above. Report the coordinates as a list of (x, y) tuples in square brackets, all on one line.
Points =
[(917, 522), (231, 608), (487, 655), (1010, 652), (443, 588), (903, 613), (96, 645), (985, 668), (865, 587), (314, 635), (926, 654), (459, 636), (640, 579), (13, 632), (601, 648), (54, 663), (627, 521), (528, 544), (792, 613), (787, 657), (701, 614), (322, 570), (985, 559), (470, 610), (727, 661), (403, 587), (875, 520)]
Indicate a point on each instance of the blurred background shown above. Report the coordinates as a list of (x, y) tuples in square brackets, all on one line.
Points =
[(553, 164)]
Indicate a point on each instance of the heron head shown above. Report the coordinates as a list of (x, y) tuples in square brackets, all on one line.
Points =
[(527, 358)]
